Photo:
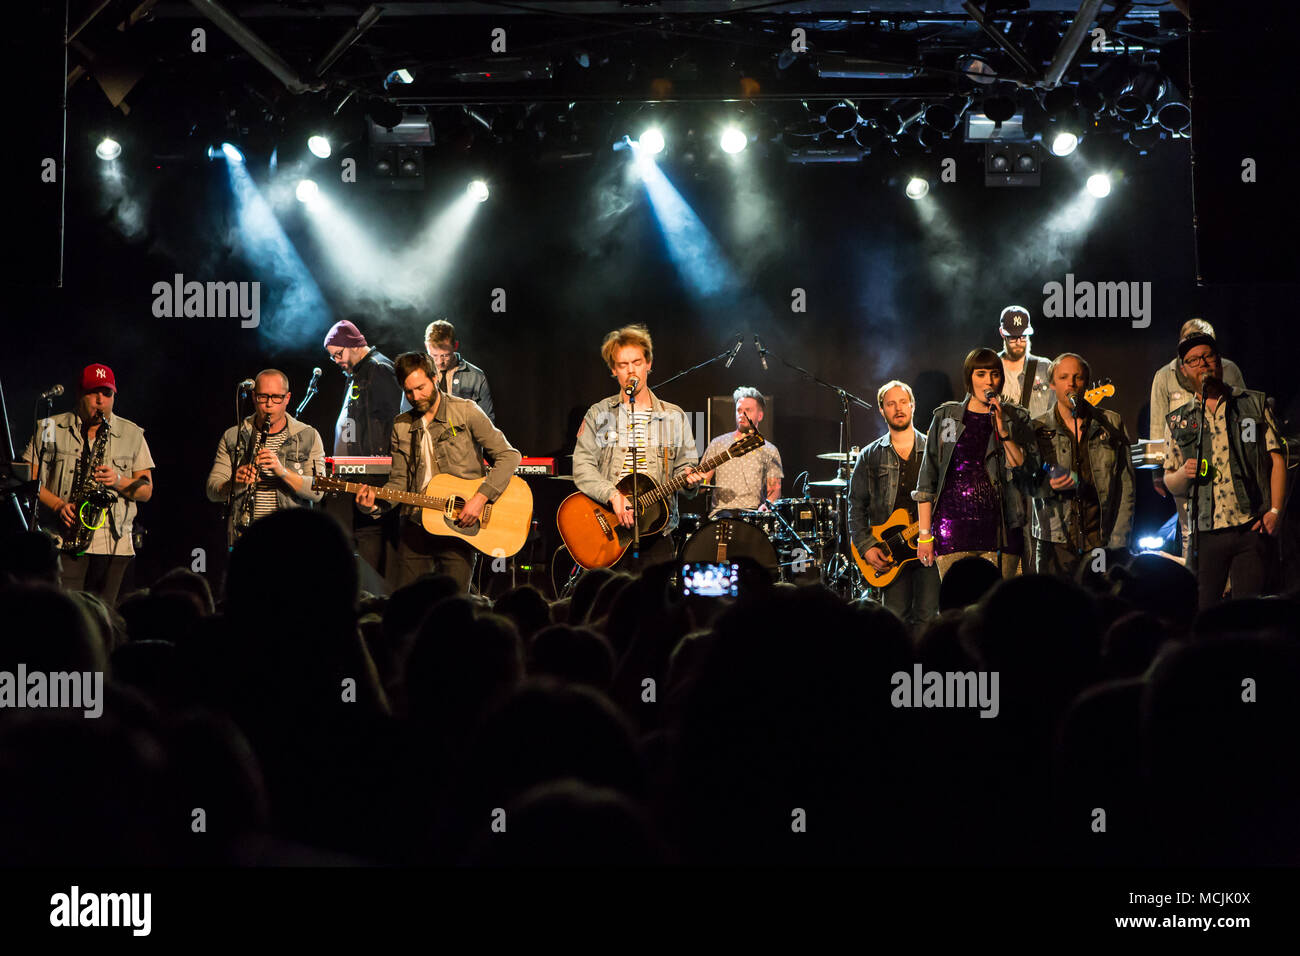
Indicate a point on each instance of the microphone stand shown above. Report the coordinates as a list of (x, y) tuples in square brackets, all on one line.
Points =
[(37, 449), (1194, 508), (311, 391), (230, 492), (695, 368), (842, 468), (636, 491)]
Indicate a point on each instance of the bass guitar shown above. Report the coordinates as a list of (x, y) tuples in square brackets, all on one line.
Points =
[(897, 535)]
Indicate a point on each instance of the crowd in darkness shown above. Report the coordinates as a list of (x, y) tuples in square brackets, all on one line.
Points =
[(314, 724)]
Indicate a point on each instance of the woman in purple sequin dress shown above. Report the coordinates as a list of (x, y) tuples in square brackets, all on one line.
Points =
[(960, 508)]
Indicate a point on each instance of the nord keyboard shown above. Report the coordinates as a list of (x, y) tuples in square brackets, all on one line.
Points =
[(358, 465)]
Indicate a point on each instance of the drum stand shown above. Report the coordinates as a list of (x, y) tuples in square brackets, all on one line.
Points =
[(807, 548)]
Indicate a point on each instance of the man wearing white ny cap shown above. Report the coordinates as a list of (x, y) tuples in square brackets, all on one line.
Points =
[(1025, 378)]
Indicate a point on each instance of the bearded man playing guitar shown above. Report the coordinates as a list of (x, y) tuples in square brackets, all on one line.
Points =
[(1085, 498), (882, 514), (631, 426), (441, 434)]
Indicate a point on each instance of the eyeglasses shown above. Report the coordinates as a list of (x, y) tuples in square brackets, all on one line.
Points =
[(1015, 338), (1201, 361), (269, 399)]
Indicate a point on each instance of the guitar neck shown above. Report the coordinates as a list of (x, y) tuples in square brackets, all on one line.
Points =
[(401, 497), (677, 484)]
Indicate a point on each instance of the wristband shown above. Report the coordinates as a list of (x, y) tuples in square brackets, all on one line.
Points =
[(927, 539), (1274, 511)]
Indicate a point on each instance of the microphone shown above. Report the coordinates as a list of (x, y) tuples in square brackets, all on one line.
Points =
[(315, 375), (735, 350), (631, 387), (762, 352), (988, 394), (54, 391), (246, 385)]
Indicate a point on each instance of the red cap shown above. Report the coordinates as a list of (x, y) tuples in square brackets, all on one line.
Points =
[(97, 376)]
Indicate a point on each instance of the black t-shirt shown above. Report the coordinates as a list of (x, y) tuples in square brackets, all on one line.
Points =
[(909, 471)]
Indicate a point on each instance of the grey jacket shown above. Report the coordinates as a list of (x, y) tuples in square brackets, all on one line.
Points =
[(61, 447), (1041, 397), (459, 429), (467, 380), (1112, 470), (945, 431), (302, 452), (873, 487), (603, 440)]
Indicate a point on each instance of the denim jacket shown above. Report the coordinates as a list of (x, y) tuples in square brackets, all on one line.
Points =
[(1252, 464), (603, 440), (467, 380), (945, 431), (61, 449), (371, 400), (1112, 471), (302, 452), (873, 488)]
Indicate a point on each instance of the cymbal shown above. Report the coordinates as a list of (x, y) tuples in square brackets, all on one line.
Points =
[(829, 483), (850, 455)]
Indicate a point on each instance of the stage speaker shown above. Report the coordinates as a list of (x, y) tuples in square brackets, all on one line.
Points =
[(722, 418), (1244, 143)]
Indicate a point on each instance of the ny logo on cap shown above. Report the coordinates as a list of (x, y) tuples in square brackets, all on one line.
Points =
[(1017, 320), (99, 373)]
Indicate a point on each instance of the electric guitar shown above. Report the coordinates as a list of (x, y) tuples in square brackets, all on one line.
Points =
[(501, 529), (897, 537), (591, 531)]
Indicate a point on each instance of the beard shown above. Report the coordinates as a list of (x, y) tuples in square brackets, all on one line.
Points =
[(896, 427), (1016, 352), (422, 405)]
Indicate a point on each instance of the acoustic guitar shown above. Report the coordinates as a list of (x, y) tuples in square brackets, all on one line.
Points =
[(591, 531), (502, 527)]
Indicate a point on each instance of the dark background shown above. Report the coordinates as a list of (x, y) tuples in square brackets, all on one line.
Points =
[(887, 296)]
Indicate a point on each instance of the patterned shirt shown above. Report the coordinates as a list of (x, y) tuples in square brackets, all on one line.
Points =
[(640, 439), (1227, 513), (742, 482)]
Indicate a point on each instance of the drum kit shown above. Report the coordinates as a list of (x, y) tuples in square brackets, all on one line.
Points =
[(803, 540)]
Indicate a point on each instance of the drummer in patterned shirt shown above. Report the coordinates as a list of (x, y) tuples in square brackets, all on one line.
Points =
[(742, 483)]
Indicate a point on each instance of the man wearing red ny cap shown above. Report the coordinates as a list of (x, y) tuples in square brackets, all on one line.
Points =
[(65, 445)]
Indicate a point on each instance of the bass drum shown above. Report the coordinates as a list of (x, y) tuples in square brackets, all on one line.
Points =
[(724, 540)]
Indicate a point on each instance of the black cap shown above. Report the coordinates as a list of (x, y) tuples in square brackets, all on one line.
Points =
[(1193, 340), (1014, 322)]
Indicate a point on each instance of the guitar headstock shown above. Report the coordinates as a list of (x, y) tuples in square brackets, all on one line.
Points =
[(746, 443), (1099, 390)]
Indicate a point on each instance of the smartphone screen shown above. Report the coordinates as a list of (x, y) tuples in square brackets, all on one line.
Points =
[(706, 579)]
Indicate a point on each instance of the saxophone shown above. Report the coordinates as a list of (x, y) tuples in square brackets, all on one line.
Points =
[(89, 498), (247, 503)]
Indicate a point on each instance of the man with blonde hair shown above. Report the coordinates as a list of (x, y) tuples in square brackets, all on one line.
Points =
[(634, 425), (456, 376)]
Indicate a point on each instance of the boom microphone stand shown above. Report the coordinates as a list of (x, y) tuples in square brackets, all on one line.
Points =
[(842, 565)]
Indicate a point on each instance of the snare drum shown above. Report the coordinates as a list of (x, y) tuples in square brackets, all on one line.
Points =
[(726, 539)]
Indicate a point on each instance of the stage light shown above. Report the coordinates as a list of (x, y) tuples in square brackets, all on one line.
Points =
[(733, 140), (1064, 143), (917, 187), (232, 153), (1151, 543), (478, 190), (1099, 185), (306, 191), (651, 142), (108, 149), (999, 163), (319, 146), (1025, 163)]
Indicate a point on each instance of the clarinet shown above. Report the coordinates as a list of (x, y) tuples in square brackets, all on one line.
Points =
[(246, 504), (90, 499)]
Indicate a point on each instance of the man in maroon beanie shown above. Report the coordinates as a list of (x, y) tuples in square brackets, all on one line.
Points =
[(371, 400)]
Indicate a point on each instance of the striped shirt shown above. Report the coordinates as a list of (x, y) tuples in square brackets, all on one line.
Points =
[(265, 502), (640, 438)]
